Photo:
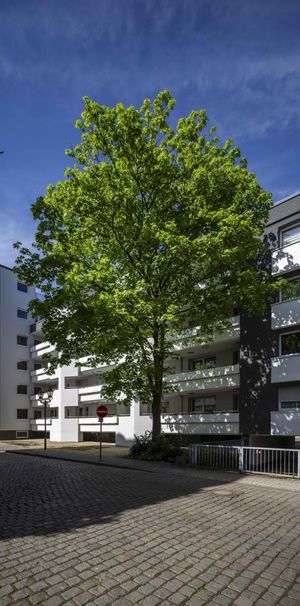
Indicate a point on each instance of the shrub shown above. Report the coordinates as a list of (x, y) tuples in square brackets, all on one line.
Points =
[(166, 447)]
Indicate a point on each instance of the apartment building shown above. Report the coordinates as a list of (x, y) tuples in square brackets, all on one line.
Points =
[(246, 381), (15, 362)]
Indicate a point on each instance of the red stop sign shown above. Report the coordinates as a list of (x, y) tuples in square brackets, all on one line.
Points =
[(101, 412)]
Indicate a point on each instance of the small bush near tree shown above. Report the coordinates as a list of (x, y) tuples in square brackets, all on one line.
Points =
[(163, 448)]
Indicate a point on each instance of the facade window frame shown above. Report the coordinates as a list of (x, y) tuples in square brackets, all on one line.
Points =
[(281, 300), (22, 390), (22, 313), (22, 413), (290, 408), (205, 406), (283, 334), (22, 287), (285, 229), (22, 337), (202, 360), (22, 362)]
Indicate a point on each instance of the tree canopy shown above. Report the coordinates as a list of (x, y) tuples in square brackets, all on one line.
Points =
[(152, 226)]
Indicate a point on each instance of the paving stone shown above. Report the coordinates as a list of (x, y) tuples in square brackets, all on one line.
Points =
[(77, 535)]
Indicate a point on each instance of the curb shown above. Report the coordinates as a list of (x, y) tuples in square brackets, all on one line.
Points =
[(85, 462)]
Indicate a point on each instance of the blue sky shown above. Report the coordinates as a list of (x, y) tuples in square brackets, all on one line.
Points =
[(238, 59)]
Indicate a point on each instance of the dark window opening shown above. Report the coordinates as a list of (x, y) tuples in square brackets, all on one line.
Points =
[(22, 365), (22, 413), (22, 287), (290, 343)]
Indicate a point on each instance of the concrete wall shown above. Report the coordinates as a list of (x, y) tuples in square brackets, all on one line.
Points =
[(10, 353)]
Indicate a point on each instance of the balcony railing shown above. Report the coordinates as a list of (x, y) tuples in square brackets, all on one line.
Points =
[(219, 377), (191, 336), (286, 258), (285, 368)]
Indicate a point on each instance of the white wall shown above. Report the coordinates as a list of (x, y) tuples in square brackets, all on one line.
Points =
[(10, 352)]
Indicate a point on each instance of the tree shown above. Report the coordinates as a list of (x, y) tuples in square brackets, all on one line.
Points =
[(153, 226)]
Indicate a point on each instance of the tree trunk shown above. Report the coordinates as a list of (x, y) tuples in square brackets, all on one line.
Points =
[(158, 359), (156, 410)]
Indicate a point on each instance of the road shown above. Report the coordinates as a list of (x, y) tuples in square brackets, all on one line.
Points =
[(75, 534)]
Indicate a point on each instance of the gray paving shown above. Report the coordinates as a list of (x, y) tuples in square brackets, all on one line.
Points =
[(80, 534)]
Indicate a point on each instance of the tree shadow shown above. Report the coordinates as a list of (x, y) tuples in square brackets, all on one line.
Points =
[(45, 496)]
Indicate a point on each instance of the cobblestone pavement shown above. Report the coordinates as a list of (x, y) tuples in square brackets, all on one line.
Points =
[(76, 534)]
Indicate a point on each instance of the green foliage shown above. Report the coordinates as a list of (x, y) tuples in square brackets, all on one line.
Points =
[(164, 447), (152, 226)]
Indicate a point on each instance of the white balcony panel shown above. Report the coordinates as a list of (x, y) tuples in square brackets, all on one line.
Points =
[(90, 393), (213, 423), (113, 420), (285, 368), (222, 377), (101, 367), (187, 339), (34, 400), (41, 375), (39, 424), (286, 259), (286, 314), (285, 423), (38, 351)]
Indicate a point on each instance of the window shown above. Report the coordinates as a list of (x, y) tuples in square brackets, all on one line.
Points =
[(290, 343), (21, 434), (53, 413), (21, 340), (37, 390), (203, 404), (291, 291), (235, 401), (37, 414), (290, 236), (295, 405), (201, 363), (36, 342), (37, 366), (22, 413), (164, 406), (22, 365), (22, 287), (83, 411), (236, 357), (21, 313), (22, 389)]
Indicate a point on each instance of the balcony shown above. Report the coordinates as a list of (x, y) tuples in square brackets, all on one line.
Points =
[(202, 423), (39, 424), (187, 339), (220, 377), (285, 423), (92, 393), (38, 351), (286, 259), (286, 314), (55, 402), (41, 375), (285, 369), (37, 328)]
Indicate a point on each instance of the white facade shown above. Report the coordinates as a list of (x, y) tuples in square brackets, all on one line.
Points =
[(11, 353), (78, 392)]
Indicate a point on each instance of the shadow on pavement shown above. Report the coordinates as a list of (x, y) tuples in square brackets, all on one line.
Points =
[(44, 496)]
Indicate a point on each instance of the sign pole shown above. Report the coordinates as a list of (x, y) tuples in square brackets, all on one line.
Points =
[(101, 413), (100, 439)]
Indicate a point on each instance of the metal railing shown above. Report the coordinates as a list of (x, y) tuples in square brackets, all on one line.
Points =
[(247, 459)]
